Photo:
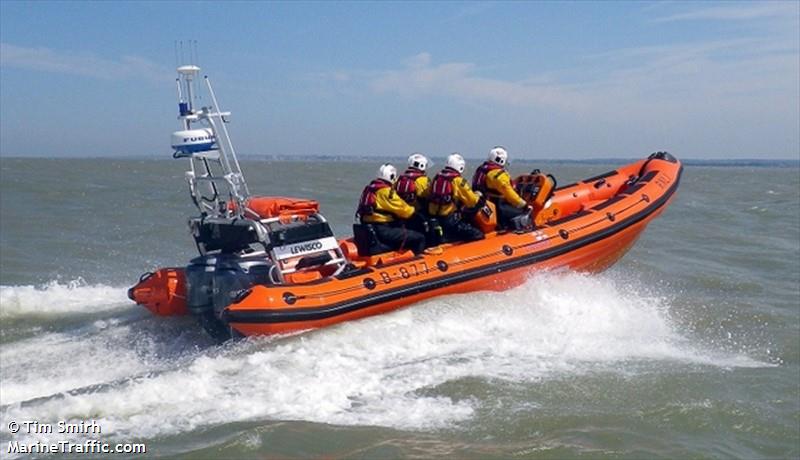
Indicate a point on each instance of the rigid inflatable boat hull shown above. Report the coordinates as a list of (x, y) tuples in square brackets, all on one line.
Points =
[(590, 239)]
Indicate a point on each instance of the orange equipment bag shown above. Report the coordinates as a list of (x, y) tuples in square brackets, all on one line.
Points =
[(486, 217), (280, 206)]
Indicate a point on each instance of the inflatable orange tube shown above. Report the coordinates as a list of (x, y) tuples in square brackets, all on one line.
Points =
[(162, 292), (602, 218)]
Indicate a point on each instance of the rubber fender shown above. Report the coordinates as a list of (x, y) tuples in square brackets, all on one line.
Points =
[(548, 214)]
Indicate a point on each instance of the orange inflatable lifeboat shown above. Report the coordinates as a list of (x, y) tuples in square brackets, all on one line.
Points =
[(303, 278)]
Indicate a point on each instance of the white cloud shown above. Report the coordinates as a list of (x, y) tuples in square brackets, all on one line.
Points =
[(631, 80), (737, 12), (458, 79), (720, 97), (87, 65)]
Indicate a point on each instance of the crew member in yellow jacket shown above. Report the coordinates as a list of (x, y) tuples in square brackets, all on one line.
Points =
[(450, 197), (413, 184), (381, 207), (492, 179)]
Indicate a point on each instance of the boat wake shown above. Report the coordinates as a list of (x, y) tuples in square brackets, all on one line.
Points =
[(140, 376), (56, 298)]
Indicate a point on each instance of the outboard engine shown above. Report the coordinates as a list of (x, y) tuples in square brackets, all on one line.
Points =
[(215, 281)]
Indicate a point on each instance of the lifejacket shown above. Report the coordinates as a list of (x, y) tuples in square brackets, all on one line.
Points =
[(441, 190), (366, 205), (406, 185), (479, 178)]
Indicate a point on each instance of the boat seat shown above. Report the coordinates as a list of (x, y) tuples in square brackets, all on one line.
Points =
[(303, 277), (348, 248), (367, 242)]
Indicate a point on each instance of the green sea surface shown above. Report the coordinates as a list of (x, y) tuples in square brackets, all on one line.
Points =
[(689, 347)]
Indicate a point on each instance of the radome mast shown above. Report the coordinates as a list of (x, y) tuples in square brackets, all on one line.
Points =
[(215, 179)]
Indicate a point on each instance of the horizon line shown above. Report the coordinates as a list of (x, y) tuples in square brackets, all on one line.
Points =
[(265, 157)]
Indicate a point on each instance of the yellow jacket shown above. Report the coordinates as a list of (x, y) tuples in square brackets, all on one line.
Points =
[(498, 183), (423, 184), (463, 196), (388, 206)]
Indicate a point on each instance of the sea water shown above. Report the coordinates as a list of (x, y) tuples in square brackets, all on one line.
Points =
[(688, 347)]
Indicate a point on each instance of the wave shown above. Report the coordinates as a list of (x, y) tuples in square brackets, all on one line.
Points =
[(390, 370), (53, 298)]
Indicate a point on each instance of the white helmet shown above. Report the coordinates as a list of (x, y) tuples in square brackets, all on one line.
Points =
[(498, 155), (387, 172), (418, 161), (456, 161)]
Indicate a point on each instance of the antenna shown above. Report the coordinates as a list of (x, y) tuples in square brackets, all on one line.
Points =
[(187, 74)]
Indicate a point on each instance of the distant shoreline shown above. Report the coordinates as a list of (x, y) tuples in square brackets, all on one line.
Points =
[(746, 162)]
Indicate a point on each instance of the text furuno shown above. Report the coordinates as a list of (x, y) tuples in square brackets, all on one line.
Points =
[(195, 139)]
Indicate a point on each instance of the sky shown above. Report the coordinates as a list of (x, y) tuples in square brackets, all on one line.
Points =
[(555, 80)]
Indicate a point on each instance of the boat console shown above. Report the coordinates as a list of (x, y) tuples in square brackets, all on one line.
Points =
[(242, 240)]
